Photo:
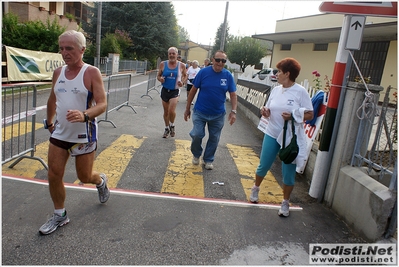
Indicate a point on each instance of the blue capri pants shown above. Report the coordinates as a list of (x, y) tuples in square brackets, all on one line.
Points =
[(270, 148)]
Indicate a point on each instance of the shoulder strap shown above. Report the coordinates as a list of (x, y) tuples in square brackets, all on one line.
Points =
[(293, 126), (284, 132)]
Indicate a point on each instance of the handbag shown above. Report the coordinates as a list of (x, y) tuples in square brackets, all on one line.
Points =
[(288, 154)]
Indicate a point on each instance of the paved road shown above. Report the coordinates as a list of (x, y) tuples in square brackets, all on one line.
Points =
[(162, 210)]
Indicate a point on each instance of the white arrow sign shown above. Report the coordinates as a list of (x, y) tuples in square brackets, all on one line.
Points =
[(355, 33)]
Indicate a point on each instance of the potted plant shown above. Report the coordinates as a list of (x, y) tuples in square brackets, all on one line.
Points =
[(70, 16)]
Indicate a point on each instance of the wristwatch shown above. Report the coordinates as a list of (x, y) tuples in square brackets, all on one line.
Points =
[(86, 116), (46, 126), (234, 111)]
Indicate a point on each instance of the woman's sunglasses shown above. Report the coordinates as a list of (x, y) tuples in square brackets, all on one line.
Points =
[(220, 59)]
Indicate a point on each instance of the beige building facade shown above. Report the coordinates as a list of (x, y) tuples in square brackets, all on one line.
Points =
[(313, 41), (192, 51)]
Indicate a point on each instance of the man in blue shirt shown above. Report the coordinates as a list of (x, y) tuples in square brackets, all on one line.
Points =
[(209, 109)]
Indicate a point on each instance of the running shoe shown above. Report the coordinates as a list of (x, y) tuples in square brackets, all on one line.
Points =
[(172, 131), (284, 211), (53, 223), (166, 133), (103, 191), (254, 198)]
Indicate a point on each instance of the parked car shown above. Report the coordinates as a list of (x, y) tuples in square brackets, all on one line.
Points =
[(267, 73)]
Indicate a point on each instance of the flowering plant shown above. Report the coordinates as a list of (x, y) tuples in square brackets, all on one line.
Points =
[(318, 84), (328, 82), (366, 79), (316, 79)]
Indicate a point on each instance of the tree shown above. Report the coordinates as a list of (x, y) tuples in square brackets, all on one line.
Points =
[(246, 51), (31, 35), (152, 27), (183, 34), (218, 38), (109, 44), (125, 43)]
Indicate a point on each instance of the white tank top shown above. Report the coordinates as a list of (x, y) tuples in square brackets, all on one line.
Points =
[(72, 94)]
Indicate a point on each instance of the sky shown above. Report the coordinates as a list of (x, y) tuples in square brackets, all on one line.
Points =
[(201, 19)]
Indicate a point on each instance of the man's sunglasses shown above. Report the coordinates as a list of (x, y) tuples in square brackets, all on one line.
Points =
[(220, 59)]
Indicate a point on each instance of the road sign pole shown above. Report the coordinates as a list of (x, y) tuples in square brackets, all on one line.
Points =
[(325, 152)]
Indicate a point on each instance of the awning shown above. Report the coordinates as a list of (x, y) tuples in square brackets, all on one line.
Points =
[(372, 32)]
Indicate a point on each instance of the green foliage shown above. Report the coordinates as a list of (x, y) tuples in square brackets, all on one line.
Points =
[(367, 80), (183, 34), (125, 43), (123, 39), (32, 35), (245, 51), (90, 53), (152, 27), (69, 16), (110, 44)]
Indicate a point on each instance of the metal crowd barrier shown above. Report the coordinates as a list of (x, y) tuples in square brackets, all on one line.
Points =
[(19, 123), (118, 92), (152, 79)]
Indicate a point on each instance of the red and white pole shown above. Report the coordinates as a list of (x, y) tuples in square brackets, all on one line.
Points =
[(324, 155)]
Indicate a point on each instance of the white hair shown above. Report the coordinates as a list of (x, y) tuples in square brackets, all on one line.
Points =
[(173, 48), (79, 37)]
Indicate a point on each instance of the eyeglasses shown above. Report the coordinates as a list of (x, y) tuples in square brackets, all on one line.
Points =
[(220, 59)]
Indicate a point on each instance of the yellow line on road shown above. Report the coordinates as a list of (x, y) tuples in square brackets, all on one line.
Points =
[(18, 130), (247, 161), (182, 177), (115, 158), (28, 167)]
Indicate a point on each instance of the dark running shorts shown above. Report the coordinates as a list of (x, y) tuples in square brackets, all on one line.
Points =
[(167, 94), (189, 87), (75, 149)]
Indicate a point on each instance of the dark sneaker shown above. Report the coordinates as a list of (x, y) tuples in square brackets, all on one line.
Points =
[(166, 133), (172, 131), (103, 191), (53, 223), (254, 194), (285, 209)]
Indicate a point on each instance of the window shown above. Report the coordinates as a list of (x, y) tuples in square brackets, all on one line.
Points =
[(371, 61), (320, 47), (285, 47)]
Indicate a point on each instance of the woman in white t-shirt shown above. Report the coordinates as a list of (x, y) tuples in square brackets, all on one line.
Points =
[(192, 72), (288, 101)]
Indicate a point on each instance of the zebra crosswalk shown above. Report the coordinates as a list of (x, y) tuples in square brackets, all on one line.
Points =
[(180, 176)]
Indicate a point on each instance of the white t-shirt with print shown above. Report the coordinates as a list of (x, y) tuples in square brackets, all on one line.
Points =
[(191, 73), (285, 100)]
